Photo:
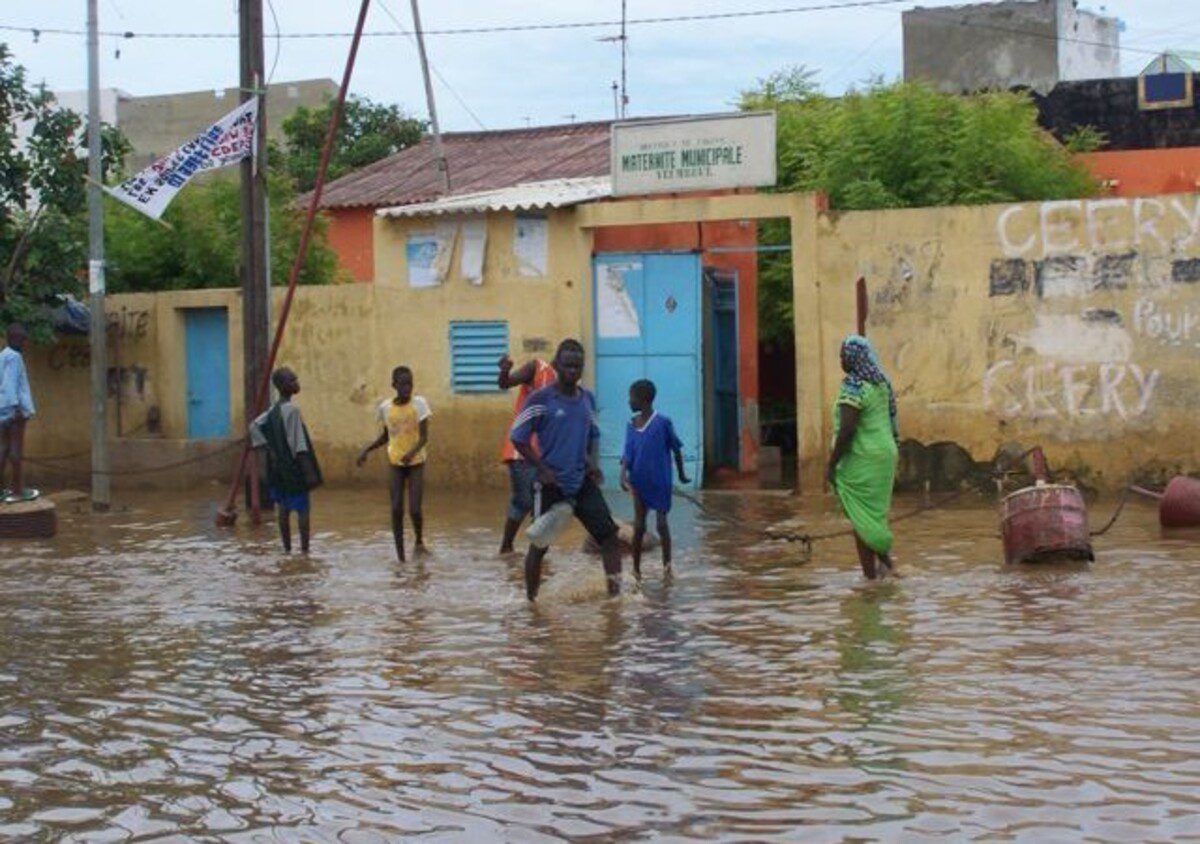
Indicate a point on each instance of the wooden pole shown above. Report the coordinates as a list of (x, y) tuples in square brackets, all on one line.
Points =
[(228, 516), (256, 323), (98, 330)]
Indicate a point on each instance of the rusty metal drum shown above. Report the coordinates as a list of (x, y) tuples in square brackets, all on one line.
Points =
[(1045, 522), (1180, 504)]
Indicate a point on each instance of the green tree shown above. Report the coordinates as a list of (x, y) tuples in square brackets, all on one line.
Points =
[(200, 244), (43, 198), (903, 145), (368, 132)]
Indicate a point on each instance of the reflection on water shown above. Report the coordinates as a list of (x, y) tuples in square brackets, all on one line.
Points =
[(160, 678)]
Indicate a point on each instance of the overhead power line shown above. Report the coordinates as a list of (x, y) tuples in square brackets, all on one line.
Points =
[(432, 67), (480, 30), (575, 25)]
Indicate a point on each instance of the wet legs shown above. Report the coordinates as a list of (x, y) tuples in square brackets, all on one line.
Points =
[(412, 477), (873, 564), (533, 571), (610, 553), (639, 536), (397, 492), (416, 492), (285, 528), (12, 436), (511, 526)]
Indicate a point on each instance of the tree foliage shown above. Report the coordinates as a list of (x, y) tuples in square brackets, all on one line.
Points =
[(43, 198), (367, 133), (903, 145), (200, 245)]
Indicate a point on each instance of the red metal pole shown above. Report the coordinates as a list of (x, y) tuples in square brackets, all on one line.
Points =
[(228, 516)]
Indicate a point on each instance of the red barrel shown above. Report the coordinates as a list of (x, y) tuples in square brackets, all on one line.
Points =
[(1045, 522), (1180, 504)]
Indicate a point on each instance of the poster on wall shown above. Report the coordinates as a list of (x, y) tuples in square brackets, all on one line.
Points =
[(530, 246), (616, 313), (474, 247), (422, 253), (428, 254)]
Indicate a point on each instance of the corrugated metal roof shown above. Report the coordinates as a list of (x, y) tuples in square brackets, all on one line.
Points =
[(531, 196), (478, 161)]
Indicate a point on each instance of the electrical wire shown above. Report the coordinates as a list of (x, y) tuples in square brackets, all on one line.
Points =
[(432, 67), (575, 25), (853, 63), (480, 30), (278, 43)]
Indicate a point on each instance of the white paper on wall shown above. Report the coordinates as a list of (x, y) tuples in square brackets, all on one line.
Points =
[(421, 250), (616, 312), (474, 248), (530, 246)]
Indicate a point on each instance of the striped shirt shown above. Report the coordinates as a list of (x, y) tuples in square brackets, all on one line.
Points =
[(565, 426)]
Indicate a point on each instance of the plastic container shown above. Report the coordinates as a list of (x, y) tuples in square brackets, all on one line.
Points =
[(1180, 504), (549, 526), (1045, 522)]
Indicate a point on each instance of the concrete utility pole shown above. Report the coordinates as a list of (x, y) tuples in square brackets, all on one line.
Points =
[(98, 333), (438, 152), (256, 320)]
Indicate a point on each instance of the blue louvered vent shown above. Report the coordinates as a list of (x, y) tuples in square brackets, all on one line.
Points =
[(475, 347)]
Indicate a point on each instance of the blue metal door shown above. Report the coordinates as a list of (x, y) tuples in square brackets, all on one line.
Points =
[(648, 326), (726, 430), (206, 332)]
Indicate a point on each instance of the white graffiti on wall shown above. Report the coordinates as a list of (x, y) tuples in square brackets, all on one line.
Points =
[(1067, 391), (1072, 226), (1096, 337), (1169, 324)]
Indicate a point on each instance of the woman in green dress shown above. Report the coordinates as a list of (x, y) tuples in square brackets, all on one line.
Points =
[(862, 468)]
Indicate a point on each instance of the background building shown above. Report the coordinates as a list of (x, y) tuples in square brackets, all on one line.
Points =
[(156, 125), (1032, 43)]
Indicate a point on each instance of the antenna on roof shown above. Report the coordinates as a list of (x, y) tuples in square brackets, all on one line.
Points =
[(623, 101)]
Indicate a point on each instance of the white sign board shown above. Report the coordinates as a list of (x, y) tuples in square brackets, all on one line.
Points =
[(694, 153)]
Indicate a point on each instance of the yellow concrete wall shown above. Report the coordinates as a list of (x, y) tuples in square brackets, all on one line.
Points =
[(343, 341), (467, 430), (1073, 324)]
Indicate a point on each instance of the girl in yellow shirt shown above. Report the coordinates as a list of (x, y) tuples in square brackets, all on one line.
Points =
[(405, 423)]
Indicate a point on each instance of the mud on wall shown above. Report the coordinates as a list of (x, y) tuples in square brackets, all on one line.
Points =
[(1075, 324)]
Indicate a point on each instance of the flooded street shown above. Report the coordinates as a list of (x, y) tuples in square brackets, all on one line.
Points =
[(161, 679)]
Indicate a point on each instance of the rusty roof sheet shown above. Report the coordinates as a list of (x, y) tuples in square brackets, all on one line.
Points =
[(478, 162)]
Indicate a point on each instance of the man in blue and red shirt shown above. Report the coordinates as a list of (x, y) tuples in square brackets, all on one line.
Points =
[(563, 418)]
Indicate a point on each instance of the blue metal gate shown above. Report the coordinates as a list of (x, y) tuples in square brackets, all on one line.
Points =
[(206, 332), (726, 428), (648, 326)]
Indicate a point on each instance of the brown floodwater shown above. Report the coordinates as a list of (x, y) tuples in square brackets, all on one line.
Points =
[(162, 679)]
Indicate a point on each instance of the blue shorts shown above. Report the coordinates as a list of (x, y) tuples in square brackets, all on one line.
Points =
[(297, 501), (521, 475)]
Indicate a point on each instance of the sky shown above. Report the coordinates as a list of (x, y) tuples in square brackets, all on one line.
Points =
[(507, 79)]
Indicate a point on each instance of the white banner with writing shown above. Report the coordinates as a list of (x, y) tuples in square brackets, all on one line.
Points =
[(226, 142)]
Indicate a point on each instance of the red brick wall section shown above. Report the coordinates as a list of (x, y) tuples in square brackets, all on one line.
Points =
[(351, 237), (1147, 172), (692, 236)]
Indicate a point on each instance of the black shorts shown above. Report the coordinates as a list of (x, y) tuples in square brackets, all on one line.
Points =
[(590, 508)]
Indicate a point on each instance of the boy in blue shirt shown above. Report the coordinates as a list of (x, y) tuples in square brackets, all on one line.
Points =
[(563, 417), (650, 441), (16, 408)]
